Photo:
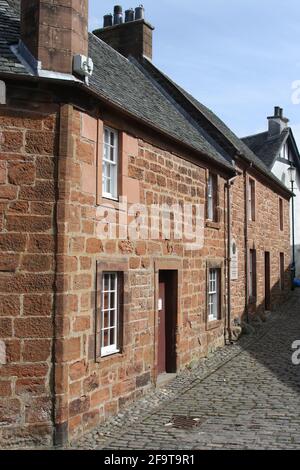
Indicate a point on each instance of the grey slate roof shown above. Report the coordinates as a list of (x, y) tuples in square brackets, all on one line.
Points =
[(216, 122), (9, 34), (267, 149), (117, 80), (124, 83)]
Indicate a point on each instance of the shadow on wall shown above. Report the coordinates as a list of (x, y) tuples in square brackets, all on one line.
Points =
[(276, 354)]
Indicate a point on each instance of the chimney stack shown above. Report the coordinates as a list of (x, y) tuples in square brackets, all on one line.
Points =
[(54, 32), (132, 37), (277, 122)]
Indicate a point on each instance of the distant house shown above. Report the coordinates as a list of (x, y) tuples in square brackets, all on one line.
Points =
[(277, 149)]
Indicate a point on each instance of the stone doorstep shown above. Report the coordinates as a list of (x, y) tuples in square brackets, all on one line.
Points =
[(164, 379)]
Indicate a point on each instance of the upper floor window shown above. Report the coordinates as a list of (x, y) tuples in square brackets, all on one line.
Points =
[(280, 214), (212, 197), (251, 199), (214, 294), (110, 164)]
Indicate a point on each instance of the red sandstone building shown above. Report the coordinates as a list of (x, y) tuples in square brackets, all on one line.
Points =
[(88, 323)]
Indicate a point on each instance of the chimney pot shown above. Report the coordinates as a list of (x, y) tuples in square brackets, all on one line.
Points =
[(129, 15), (118, 14), (277, 111), (107, 20), (140, 13)]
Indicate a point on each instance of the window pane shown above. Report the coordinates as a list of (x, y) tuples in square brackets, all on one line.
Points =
[(112, 139), (105, 301), (112, 300), (106, 319), (112, 336), (215, 306), (108, 185), (105, 338), (106, 281), (112, 154), (113, 282), (112, 318)]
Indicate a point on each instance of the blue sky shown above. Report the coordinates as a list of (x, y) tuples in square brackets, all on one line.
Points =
[(238, 57)]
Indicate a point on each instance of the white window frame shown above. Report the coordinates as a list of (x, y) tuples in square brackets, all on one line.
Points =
[(111, 348), (213, 294), (113, 164), (210, 197)]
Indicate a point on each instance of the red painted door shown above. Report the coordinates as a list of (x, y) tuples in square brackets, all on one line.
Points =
[(162, 328)]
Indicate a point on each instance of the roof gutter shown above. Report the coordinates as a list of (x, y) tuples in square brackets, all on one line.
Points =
[(70, 80)]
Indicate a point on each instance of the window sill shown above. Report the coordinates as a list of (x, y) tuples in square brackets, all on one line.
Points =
[(108, 198), (214, 324), (110, 203), (110, 356), (212, 224)]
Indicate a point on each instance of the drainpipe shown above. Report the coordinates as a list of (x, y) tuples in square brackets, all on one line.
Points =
[(246, 244), (229, 183)]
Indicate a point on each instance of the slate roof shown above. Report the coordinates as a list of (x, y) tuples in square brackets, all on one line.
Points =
[(126, 84), (267, 149), (123, 83), (215, 122)]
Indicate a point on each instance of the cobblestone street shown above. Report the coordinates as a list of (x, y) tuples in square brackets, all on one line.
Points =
[(246, 396)]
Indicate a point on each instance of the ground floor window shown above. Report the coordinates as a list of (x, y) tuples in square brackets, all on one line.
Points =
[(214, 294), (110, 315)]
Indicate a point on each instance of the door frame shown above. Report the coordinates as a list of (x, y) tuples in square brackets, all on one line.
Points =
[(165, 264)]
